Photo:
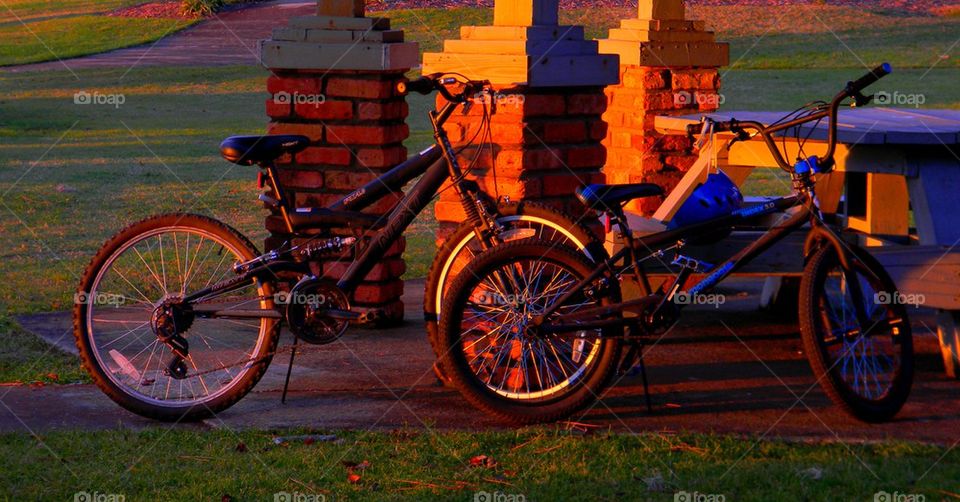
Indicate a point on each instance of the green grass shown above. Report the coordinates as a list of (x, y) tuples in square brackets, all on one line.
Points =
[(26, 359), (539, 464), (32, 31)]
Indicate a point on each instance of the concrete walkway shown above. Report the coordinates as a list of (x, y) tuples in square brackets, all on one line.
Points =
[(704, 377), (229, 38)]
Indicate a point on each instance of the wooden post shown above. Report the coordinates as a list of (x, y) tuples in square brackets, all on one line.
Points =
[(526, 12), (341, 8)]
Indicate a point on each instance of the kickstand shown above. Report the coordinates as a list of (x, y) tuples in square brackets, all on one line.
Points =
[(286, 381), (643, 375)]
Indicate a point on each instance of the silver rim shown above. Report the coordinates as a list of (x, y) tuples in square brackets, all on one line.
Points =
[(493, 338), (867, 363), (157, 265)]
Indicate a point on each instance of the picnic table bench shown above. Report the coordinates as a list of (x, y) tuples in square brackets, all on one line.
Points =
[(896, 183)]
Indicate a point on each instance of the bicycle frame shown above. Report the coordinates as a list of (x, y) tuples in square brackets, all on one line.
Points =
[(627, 257), (436, 164)]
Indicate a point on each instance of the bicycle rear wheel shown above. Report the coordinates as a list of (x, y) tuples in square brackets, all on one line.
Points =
[(503, 365), (136, 284), (863, 362)]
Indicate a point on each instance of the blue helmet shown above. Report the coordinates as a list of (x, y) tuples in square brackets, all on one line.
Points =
[(718, 196)]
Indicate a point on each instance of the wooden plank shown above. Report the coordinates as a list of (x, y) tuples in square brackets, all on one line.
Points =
[(342, 8), (933, 192), (880, 158), (668, 53), (382, 36), (928, 273), (288, 34), (662, 25), (661, 9), (522, 47), (888, 207), (526, 12), (521, 32), (335, 36), (340, 23), (660, 36), (339, 56), (557, 71), (498, 69), (695, 175)]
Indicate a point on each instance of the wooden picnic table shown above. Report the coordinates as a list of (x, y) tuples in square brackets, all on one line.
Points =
[(891, 164)]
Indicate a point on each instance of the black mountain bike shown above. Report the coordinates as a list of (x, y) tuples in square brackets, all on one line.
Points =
[(177, 316), (533, 332)]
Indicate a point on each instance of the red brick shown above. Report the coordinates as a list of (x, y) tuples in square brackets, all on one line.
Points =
[(347, 87), (587, 156), (296, 178), (540, 105), (312, 131), (586, 104), (375, 158), (377, 293), (338, 156), (367, 134), (327, 110), (674, 143), (449, 211), (598, 129), (564, 132), (383, 271), (294, 85), (381, 110), (277, 110)]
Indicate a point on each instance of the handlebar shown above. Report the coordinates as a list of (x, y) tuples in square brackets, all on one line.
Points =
[(863, 82), (437, 82), (853, 89)]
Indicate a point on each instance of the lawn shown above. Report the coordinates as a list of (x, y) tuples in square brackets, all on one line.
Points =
[(32, 31), (539, 464)]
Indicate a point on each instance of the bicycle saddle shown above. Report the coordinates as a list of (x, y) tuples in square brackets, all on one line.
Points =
[(249, 150), (603, 197)]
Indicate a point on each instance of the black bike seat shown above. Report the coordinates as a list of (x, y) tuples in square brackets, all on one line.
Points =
[(604, 197), (249, 150)]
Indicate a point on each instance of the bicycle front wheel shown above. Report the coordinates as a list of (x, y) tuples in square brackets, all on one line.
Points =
[(498, 360), (863, 360), (135, 287)]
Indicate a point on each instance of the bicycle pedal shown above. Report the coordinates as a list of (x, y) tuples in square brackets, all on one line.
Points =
[(696, 266), (372, 316)]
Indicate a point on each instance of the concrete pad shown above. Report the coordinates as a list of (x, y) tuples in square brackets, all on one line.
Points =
[(729, 370)]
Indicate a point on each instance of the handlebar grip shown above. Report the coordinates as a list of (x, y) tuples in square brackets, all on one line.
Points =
[(868, 79), (422, 85)]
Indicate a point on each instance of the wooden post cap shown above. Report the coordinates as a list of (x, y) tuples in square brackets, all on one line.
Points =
[(526, 12), (662, 10), (340, 8)]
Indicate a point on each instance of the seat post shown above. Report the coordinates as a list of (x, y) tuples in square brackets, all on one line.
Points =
[(271, 170)]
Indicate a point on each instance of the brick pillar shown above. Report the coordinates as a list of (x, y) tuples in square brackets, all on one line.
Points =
[(334, 79), (668, 66), (547, 129)]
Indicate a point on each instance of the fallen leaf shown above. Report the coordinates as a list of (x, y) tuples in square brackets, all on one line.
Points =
[(226, 498), (353, 478), (53, 376), (483, 461), (241, 448)]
